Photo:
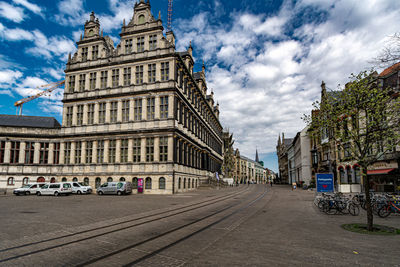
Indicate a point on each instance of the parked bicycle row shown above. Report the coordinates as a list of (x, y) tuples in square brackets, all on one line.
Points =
[(67, 188), (382, 204), (336, 203)]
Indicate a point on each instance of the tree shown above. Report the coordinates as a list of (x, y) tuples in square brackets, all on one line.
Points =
[(390, 53), (364, 119)]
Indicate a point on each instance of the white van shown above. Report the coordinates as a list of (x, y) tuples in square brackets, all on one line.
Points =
[(28, 189), (78, 188), (55, 189), (115, 188)]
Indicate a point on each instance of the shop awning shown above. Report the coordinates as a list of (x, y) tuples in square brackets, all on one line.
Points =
[(381, 171)]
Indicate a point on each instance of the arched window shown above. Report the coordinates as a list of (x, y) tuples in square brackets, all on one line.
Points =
[(357, 174), (122, 179), (52, 180), (189, 183), (193, 183), (109, 179), (184, 183), (75, 179), (135, 183), (64, 179), (40, 180), (349, 175), (196, 182), (25, 180), (10, 181), (148, 183), (161, 183), (86, 181), (97, 182), (141, 19), (342, 176), (179, 183)]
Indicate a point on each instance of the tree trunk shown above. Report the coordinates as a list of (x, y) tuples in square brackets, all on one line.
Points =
[(368, 206)]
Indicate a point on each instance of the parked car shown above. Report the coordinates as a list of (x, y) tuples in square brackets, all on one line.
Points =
[(28, 189), (79, 188), (55, 189), (115, 188)]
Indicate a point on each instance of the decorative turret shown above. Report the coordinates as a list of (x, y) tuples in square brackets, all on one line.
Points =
[(190, 49), (323, 90), (92, 27)]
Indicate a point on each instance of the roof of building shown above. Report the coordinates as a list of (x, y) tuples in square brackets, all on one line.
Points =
[(390, 70), (29, 121), (250, 160)]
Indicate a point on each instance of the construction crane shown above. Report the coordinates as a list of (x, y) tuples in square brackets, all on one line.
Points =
[(169, 26), (51, 87)]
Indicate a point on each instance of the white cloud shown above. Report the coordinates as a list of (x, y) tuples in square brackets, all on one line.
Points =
[(9, 76), (32, 7), (10, 12), (71, 13), (43, 46), (266, 80)]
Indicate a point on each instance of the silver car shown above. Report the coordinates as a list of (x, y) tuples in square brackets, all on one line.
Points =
[(115, 188)]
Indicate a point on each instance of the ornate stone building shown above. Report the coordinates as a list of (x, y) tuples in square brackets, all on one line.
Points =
[(137, 111), (282, 153)]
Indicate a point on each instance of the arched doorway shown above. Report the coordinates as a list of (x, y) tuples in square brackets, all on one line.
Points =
[(52, 180), (41, 180)]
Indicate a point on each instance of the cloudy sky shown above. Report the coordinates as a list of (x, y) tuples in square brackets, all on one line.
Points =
[(265, 59)]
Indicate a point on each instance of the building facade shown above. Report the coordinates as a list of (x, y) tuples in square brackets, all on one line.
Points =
[(137, 112), (282, 153)]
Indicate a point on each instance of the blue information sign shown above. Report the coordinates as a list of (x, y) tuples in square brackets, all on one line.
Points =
[(324, 182)]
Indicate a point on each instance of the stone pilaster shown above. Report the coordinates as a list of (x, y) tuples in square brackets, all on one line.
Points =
[(51, 153), (36, 154), (22, 148), (157, 149)]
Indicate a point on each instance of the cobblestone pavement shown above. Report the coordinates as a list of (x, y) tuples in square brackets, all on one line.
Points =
[(279, 228)]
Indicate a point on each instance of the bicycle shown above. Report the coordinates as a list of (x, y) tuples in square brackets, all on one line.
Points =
[(392, 206)]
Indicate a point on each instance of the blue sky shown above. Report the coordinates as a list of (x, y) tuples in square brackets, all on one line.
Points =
[(265, 59)]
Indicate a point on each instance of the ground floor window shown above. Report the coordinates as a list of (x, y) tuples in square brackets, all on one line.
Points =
[(97, 182), (122, 179), (64, 179), (75, 179), (86, 181), (25, 180), (109, 179), (161, 183), (148, 183), (179, 183), (10, 181), (135, 183), (40, 180)]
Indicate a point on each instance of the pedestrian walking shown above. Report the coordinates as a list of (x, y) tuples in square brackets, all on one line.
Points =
[(270, 183)]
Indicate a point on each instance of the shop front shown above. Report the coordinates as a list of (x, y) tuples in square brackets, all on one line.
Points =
[(384, 176)]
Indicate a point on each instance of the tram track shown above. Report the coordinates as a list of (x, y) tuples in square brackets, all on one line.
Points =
[(122, 226), (97, 261)]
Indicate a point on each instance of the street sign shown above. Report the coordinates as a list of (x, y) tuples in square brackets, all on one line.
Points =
[(324, 182)]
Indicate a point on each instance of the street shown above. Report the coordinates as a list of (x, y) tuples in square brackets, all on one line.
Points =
[(252, 225)]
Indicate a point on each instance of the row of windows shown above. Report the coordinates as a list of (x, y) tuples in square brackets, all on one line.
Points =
[(129, 47), (185, 117), (77, 83), (127, 114), (193, 95), (91, 154), (30, 147), (97, 155), (350, 175), (140, 44)]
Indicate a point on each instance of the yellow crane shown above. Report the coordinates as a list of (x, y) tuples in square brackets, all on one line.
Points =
[(50, 88)]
